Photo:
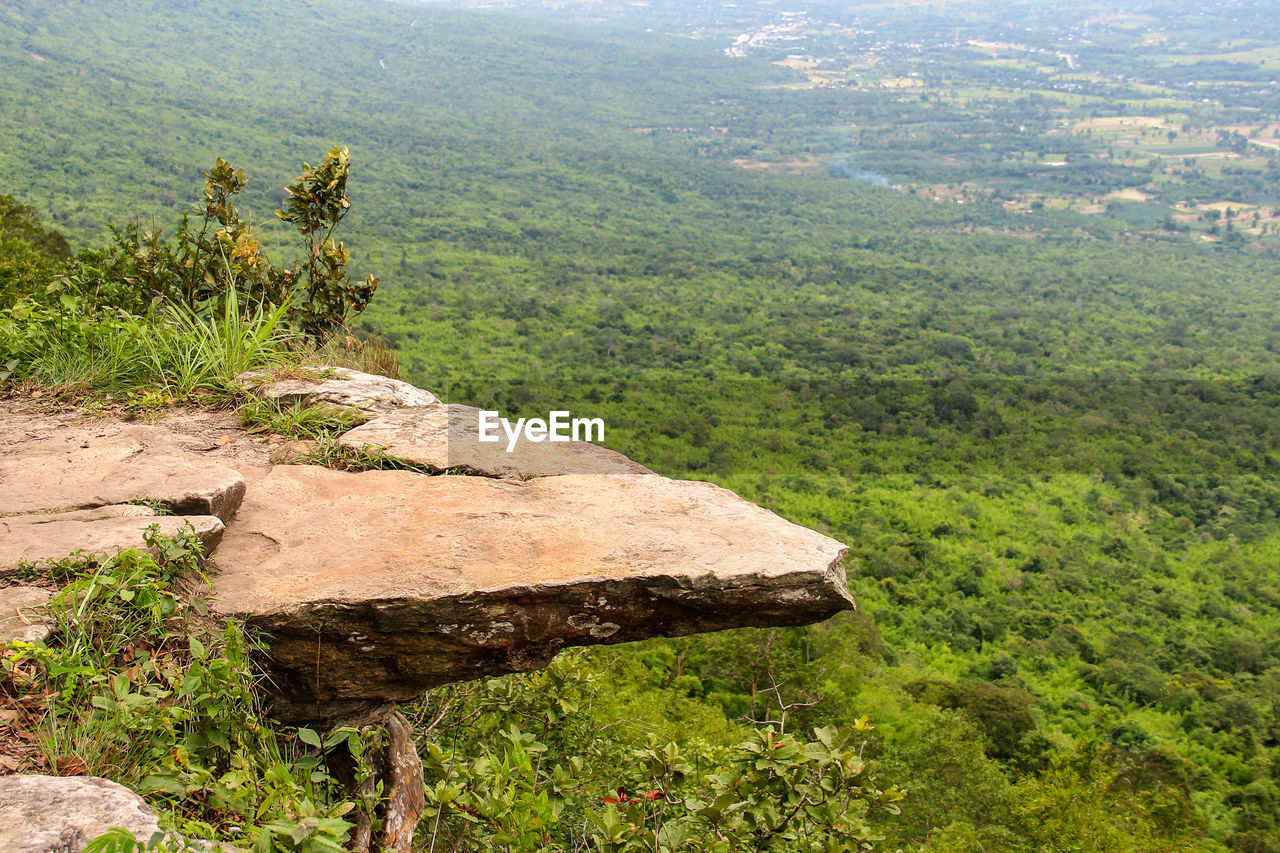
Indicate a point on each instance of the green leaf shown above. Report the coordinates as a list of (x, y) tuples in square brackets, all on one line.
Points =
[(338, 736)]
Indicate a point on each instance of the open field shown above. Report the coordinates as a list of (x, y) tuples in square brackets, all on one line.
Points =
[(1264, 57), (1114, 123), (795, 165)]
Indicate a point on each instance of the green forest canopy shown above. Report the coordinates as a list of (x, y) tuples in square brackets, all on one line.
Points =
[(1051, 445)]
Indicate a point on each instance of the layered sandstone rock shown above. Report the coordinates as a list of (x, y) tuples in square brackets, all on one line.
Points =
[(94, 533), (375, 586), (57, 814), (337, 386), (66, 488), (61, 467)]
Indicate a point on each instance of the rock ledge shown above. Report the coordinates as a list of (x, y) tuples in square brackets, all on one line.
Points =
[(376, 586), (372, 587)]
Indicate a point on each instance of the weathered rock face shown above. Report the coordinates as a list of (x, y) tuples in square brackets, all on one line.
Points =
[(98, 532), (338, 386), (447, 438), (65, 487), (375, 586), (60, 814), (67, 467), (20, 614)]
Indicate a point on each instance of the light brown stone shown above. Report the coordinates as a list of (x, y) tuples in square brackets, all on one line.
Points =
[(337, 386), (57, 814), (21, 619), (447, 438), (375, 586), (36, 538), (292, 451), (99, 513), (60, 466)]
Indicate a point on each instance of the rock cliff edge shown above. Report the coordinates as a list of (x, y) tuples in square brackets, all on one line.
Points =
[(373, 586)]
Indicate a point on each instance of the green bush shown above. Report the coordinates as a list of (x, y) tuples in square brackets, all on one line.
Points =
[(31, 256), (219, 258), (75, 345), (136, 690), (520, 764)]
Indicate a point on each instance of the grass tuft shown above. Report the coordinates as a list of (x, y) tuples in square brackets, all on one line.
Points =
[(298, 422), (139, 687), (329, 453), (76, 348)]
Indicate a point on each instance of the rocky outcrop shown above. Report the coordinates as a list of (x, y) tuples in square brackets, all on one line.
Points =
[(61, 467), (371, 587), (447, 438), (21, 617), (96, 532), (337, 386), (378, 585), (61, 814)]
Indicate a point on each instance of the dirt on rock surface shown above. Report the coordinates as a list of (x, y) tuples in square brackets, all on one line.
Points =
[(216, 434)]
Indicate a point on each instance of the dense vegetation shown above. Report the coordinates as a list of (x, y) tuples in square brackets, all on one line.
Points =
[(1050, 444)]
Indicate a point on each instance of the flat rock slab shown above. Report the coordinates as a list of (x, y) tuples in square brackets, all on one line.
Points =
[(61, 466), (375, 586), (61, 814), (337, 386), (21, 619), (447, 438), (37, 538)]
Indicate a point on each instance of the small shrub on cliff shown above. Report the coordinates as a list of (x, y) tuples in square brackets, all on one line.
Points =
[(296, 421), (220, 257)]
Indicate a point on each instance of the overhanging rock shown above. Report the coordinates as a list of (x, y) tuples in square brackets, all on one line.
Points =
[(375, 586)]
